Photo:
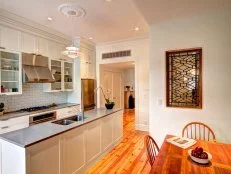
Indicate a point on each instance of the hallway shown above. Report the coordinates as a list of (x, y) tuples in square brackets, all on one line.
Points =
[(127, 157)]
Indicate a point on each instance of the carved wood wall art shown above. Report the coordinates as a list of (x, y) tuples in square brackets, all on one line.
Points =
[(184, 78)]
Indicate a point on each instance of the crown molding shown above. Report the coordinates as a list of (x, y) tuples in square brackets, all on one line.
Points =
[(14, 21)]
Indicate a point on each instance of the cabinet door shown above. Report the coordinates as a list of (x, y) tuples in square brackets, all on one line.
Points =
[(55, 50), (44, 157), (92, 140), (10, 39), (68, 76), (29, 43), (42, 47), (106, 132), (73, 151), (83, 63), (91, 65), (14, 127), (118, 125), (10, 73)]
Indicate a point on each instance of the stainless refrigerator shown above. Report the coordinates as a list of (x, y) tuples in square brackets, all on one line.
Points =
[(88, 94)]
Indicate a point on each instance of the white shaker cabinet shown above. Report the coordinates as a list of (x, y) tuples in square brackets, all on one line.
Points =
[(73, 151), (55, 50), (118, 126), (42, 46), (10, 39), (12, 124), (106, 132), (93, 140), (49, 152), (34, 44), (87, 58), (29, 43)]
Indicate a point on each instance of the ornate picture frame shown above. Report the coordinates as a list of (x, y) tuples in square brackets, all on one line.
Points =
[(184, 78)]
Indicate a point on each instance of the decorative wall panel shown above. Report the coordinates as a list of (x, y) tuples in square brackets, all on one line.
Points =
[(184, 78)]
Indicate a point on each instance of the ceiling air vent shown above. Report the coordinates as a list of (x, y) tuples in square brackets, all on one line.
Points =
[(116, 54)]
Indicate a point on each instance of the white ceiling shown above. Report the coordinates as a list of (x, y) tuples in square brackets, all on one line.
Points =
[(104, 21), (155, 11), (110, 21), (121, 65)]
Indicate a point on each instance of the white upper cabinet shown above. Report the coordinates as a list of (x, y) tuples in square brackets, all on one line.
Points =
[(29, 43), (42, 46), (10, 39), (55, 50), (87, 58), (34, 44)]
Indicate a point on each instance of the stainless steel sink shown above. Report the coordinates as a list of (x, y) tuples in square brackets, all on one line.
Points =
[(63, 122), (70, 120)]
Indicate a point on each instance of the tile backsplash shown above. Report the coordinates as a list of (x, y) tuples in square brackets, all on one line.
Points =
[(32, 95)]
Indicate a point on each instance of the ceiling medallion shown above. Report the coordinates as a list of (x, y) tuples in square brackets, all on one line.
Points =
[(72, 10)]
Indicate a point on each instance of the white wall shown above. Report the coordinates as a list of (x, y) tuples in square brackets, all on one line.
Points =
[(212, 33), (129, 77), (140, 54)]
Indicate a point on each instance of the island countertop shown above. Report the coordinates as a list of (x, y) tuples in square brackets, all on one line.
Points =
[(34, 134)]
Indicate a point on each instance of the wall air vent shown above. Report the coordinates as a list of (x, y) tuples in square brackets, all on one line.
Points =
[(116, 54)]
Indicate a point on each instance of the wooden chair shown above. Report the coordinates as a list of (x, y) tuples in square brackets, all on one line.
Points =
[(152, 148), (197, 130)]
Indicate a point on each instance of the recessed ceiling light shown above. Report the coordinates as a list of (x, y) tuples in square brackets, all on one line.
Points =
[(90, 38), (108, 0), (136, 28), (50, 19)]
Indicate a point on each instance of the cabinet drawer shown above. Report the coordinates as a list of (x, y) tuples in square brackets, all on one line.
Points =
[(12, 121), (9, 128)]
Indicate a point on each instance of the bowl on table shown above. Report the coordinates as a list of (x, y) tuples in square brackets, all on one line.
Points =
[(199, 155)]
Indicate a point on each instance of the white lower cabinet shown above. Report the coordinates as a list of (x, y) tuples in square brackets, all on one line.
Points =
[(43, 157), (92, 140), (13, 124), (72, 151), (118, 126), (106, 132)]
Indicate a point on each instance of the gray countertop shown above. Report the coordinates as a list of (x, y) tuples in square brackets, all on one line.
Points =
[(34, 134), (16, 114)]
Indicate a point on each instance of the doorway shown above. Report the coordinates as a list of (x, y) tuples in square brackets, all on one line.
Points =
[(118, 83)]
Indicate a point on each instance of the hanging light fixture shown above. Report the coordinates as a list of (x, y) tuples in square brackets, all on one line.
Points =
[(71, 51), (72, 11)]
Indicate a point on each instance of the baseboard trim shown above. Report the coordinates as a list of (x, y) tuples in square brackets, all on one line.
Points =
[(142, 127)]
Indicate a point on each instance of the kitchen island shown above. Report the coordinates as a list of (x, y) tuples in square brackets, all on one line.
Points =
[(50, 148)]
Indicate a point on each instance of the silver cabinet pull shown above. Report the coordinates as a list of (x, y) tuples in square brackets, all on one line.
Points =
[(5, 127)]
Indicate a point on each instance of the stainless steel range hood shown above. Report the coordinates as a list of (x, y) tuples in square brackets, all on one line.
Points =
[(36, 69)]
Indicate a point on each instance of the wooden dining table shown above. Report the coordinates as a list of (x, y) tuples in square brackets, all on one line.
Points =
[(175, 160)]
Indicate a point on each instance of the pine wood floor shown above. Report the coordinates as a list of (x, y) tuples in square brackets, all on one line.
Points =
[(127, 157)]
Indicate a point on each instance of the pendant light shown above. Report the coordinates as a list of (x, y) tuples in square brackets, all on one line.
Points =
[(71, 51)]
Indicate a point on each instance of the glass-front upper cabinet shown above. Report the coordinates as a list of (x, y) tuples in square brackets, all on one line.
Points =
[(62, 72), (56, 70), (11, 70), (68, 76)]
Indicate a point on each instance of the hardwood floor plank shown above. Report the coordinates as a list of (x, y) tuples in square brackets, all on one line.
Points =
[(127, 157)]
